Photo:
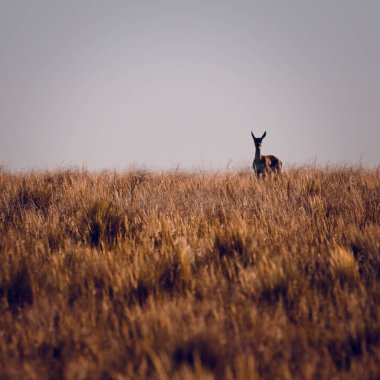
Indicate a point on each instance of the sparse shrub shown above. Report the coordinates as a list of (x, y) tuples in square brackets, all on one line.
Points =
[(343, 265), (106, 224), (38, 197), (272, 280), (55, 236), (20, 290), (229, 243), (176, 267), (234, 243), (199, 351), (169, 272)]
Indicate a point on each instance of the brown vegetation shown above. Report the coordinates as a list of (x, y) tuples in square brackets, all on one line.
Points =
[(190, 275)]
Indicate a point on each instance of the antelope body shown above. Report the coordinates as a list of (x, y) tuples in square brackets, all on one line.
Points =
[(264, 164)]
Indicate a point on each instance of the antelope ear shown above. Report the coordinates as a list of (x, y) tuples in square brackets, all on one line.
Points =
[(253, 136), (265, 133)]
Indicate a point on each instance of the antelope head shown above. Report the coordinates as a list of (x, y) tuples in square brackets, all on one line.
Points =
[(258, 140)]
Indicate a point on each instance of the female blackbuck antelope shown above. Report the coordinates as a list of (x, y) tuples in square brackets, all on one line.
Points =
[(264, 164)]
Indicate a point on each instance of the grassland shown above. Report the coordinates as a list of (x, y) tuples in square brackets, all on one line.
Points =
[(190, 275)]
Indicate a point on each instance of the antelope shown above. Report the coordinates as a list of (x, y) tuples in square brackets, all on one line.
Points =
[(264, 164)]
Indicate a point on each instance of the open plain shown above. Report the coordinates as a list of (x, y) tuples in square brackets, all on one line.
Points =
[(179, 275)]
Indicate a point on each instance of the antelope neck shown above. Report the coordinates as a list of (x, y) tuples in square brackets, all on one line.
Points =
[(257, 154)]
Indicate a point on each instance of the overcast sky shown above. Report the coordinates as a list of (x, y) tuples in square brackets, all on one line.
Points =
[(160, 84)]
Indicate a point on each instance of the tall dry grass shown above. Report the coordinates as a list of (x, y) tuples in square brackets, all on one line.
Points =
[(190, 275)]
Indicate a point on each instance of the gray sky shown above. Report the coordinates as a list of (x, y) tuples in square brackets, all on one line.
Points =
[(115, 84)]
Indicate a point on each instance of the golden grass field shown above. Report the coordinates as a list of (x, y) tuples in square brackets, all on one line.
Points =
[(175, 275)]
